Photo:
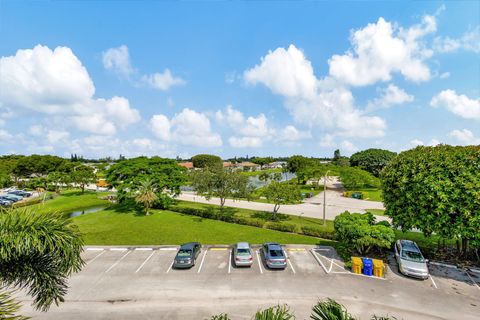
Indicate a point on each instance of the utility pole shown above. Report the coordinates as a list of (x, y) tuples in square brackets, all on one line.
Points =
[(325, 196)]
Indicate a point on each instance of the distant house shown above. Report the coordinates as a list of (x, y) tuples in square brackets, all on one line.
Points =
[(188, 165), (248, 166), (228, 164), (276, 164)]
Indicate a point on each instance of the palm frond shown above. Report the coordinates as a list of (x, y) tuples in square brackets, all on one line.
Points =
[(9, 307), (38, 252), (279, 312), (330, 310)]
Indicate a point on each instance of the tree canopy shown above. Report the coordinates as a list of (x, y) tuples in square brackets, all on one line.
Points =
[(281, 193), (165, 174), (372, 160), (207, 160), (221, 183), (435, 190)]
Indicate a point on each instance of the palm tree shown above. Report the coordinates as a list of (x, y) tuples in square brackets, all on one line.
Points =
[(330, 310), (146, 194), (274, 313), (38, 252)]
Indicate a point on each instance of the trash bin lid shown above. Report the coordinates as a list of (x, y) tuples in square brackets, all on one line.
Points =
[(367, 261)]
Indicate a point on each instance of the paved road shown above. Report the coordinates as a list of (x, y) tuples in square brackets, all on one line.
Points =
[(131, 283), (336, 204)]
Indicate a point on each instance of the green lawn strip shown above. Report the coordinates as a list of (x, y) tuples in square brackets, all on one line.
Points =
[(72, 200), (247, 213), (376, 212), (109, 227), (369, 194)]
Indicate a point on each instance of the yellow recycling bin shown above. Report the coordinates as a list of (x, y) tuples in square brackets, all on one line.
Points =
[(378, 268), (357, 265)]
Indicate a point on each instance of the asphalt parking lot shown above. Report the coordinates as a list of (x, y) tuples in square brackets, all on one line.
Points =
[(140, 283)]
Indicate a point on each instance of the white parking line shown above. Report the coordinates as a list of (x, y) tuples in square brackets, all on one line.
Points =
[(433, 281), (94, 249), (290, 263), (118, 249), (98, 255), (170, 268), (201, 263), (116, 262), (319, 261), (168, 249), (230, 261), (475, 283), (143, 249), (148, 258), (259, 263)]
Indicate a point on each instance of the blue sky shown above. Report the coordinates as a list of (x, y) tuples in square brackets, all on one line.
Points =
[(235, 78)]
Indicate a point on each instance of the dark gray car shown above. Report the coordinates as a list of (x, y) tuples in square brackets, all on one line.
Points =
[(187, 255), (274, 255)]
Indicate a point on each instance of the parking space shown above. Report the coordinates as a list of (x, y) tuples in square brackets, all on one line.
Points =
[(127, 275)]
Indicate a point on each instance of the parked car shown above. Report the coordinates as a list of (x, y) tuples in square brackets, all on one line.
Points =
[(5, 203), (410, 259), (11, 197), (187, 255), (21, 193), (274, 255), (242, 254)]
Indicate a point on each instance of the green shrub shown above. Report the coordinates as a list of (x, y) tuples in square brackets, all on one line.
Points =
[(361, 232), (255, 223), (318, 232), (270, 216), (285, 227)]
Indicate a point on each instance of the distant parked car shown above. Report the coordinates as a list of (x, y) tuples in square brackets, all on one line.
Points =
[(410, 259), (11, 197), (274, 256), (187, 255), (21, 193), (5, 203), (242, 255)]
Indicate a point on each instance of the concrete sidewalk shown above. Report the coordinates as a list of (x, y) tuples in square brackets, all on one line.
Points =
[(335, 205)]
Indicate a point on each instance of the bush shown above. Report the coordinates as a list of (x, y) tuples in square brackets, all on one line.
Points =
[(318, 232), (383, 223), (361, 232), (270, 216), (285, 227), (355, 178)]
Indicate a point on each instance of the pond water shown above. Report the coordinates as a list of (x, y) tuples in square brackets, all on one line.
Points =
[(85, 211)]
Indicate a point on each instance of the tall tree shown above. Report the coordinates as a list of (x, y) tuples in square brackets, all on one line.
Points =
[(146, 194), (207, 160), (281, 193), (221, 183), (166, 174), (372, 160), (82, 176), (38, 252), (298, 165), (435, 190)]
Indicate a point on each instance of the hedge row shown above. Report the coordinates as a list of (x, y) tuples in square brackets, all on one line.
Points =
[(228, 215)]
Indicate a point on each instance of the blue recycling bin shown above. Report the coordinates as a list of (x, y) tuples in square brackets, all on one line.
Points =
[(367, 266)]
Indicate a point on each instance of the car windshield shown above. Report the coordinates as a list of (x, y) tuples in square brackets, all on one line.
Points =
[(184, 253), (276, 253), (412, 256), (243, 252)]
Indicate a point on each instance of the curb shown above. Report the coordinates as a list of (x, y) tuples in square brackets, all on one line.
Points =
[(443, 265)]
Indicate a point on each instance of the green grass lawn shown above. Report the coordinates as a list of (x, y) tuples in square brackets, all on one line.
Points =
[(297, 220), (376, 212), (370, 194), (72, 200), (110, 227)]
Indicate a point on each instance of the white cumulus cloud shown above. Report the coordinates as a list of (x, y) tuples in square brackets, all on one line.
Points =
[(163, 81), (118, 60), (188, 127), (380, 49), (469, 41), (459, 104), (245, 142), (389, 96), (465, 137)]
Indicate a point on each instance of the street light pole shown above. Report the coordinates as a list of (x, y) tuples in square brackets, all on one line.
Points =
[(325, 196)]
